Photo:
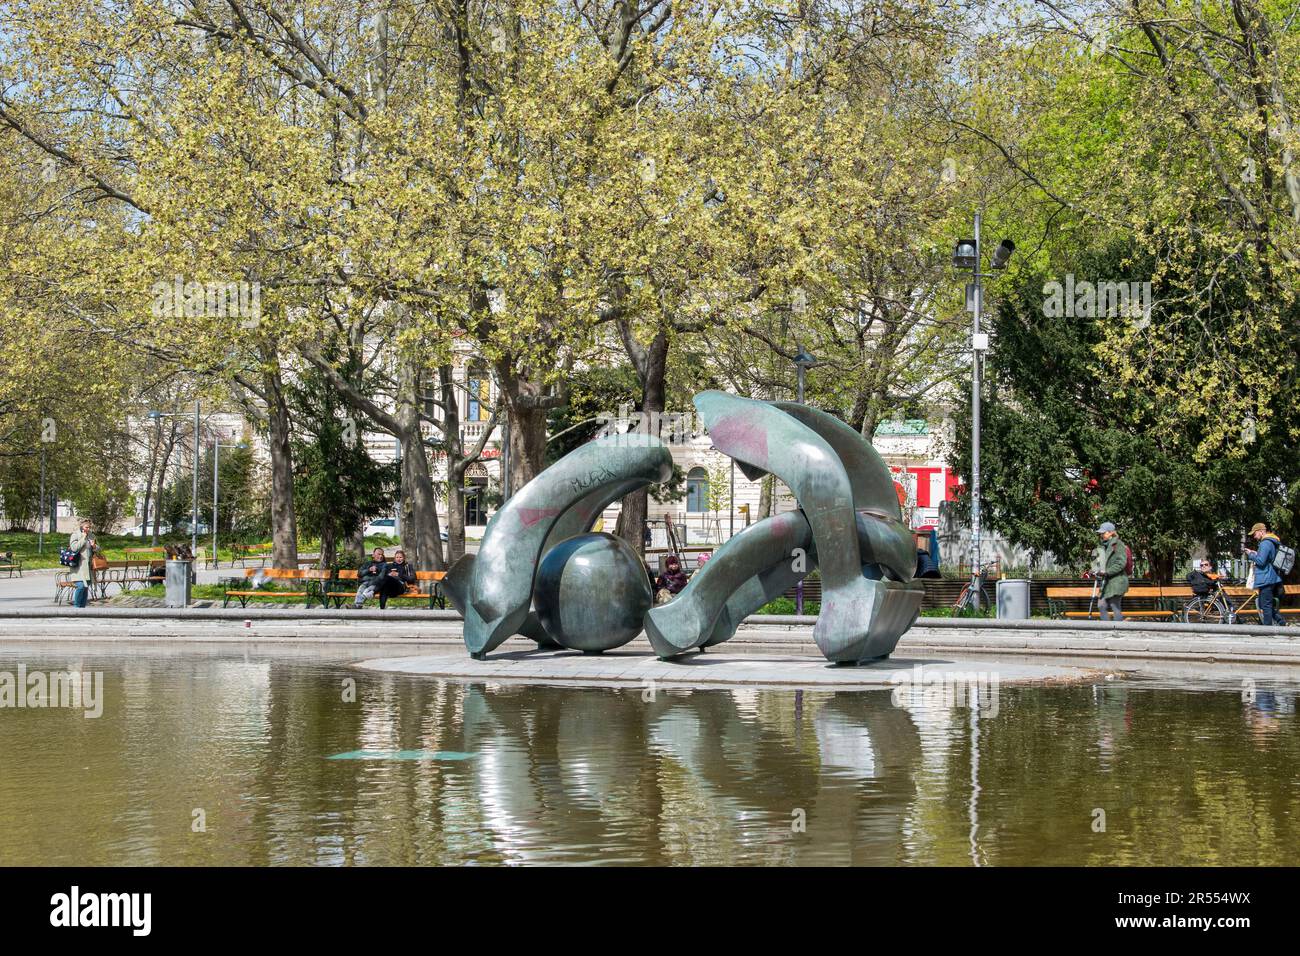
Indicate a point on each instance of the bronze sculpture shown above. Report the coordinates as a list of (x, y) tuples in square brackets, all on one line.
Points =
[(541, 573)]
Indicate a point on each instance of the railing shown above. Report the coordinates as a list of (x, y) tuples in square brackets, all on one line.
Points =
[(472, 431)]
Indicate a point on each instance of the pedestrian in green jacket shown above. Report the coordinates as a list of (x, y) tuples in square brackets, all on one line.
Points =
[(1109, 562)]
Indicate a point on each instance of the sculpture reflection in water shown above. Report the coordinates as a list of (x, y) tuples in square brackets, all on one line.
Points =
[(541, 572), (691, 777)]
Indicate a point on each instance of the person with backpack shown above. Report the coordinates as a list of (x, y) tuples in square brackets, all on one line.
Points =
[(1268, 578), (1112, 563), (83, 545)]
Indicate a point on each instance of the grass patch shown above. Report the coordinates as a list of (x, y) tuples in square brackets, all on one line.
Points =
[(785, 605), (23, 545)]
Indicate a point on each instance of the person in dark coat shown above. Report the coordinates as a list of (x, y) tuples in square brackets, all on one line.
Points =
[(671, 581), (397, 576), (1109, 563), (369, 577), (1203, 579)]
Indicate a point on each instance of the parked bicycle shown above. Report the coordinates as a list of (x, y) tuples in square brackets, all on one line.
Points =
[(1213, 608), (974, 599)]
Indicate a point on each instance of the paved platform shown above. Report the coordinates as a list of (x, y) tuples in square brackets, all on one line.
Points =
[(718, 668), (1129, 641)]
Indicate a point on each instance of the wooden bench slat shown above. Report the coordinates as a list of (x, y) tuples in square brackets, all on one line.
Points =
[(1127, 614), (266, 593)]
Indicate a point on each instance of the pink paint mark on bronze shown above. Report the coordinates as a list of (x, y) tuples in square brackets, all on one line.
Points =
[(530, 516), (746, 440)]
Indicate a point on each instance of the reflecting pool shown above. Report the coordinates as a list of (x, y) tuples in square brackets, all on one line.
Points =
[(262, 757)]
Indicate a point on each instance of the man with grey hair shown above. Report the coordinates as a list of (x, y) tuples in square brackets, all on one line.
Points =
[(1111, 565)]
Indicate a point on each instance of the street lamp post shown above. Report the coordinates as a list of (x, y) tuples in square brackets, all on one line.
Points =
[(401, 490), (968, 256), (194, 519), (803, 361), (40, 520), (731, 518)]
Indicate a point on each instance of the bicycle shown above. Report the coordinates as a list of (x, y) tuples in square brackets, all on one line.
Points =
[(973, 600), (1247, 612), (1213, 608)]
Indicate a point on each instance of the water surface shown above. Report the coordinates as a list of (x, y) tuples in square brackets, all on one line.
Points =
[(226, 757)]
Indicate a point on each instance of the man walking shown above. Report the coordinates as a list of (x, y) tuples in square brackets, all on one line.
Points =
[(1110, 563), (1268, 582)]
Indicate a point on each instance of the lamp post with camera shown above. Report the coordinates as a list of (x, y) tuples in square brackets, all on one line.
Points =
[(967, 255)]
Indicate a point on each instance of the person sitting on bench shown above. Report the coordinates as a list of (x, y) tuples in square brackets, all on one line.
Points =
[(671, 582), (1203, 580), (397, 575), (369, 576)]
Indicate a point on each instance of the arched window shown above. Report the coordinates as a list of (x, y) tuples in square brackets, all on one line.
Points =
[(697, 490), (476, 481)]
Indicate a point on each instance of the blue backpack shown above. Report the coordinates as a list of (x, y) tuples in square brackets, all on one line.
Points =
[(69, 558)]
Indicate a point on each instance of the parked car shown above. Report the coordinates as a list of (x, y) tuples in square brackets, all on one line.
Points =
[(183, 527), (386, 526)]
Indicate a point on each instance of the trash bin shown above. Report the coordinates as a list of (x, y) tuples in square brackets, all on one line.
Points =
[(176, 584), (1013, 599)]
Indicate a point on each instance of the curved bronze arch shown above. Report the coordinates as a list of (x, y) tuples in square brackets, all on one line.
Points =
[(494, 590), (688, 620), (887, 542), (860, 618)]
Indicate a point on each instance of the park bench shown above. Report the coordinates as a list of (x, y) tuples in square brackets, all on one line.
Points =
[(1243, 599), (9, 564), (63, 586), (433, 592), (151, 560), (1062, 602), (243, 553), (1249, 606), (314, 586)]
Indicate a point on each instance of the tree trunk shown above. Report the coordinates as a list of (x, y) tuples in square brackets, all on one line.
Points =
[(284, 523), (527, 444), (765, 497), (455, 465), (328, 545), (651, 364), (420, 532), (355, 540), (162, 481), (526, 409), (148, 491), (420, 525), (1161, 568)]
